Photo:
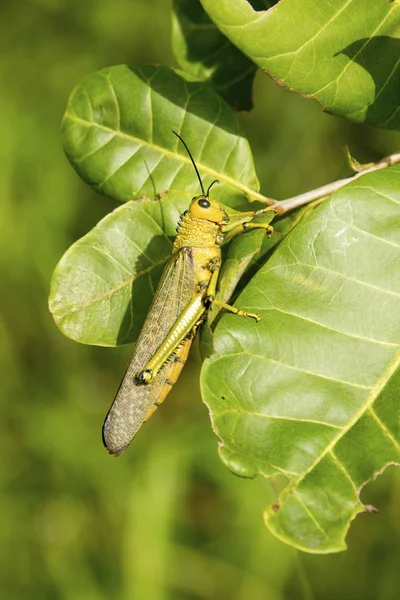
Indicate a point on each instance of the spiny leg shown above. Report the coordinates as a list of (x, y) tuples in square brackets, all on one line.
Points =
[(245, 226), (235, 311), (211, 293)]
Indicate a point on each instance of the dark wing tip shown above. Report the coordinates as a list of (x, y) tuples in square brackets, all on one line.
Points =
[(113, 448)]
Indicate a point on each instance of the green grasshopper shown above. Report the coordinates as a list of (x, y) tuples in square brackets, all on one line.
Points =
[(186, 291)]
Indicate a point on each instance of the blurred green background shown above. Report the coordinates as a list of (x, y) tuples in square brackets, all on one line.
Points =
[(166, 520)]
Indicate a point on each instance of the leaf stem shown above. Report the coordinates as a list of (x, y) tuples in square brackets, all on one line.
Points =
[(285, 206)]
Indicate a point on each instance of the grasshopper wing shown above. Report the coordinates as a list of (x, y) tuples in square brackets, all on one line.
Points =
[(135, 401)]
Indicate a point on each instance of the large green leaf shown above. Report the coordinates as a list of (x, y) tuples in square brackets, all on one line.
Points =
[(343, 53), (103, 285), (312, 392), (118, 126), (202, 50)]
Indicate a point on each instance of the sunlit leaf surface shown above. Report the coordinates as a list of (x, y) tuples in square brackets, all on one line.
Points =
[(103, 285), (344, 53), (311, 392), (117, 133)]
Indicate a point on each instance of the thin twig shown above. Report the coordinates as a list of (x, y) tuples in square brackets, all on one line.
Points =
[(285, 206)]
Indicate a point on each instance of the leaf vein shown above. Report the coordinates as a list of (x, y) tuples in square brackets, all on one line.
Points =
[(301, 370), (176, 156), (121, 166), (113, 93), (278, 417), (133, 243), (110, 258), (112, 290), (321, 268), (342, 467), (374, 393), (386, 431), (368, 233), (323, 325), (93, 152), (309, 513)]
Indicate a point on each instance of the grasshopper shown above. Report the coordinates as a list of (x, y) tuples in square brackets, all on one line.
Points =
[(184, 294)]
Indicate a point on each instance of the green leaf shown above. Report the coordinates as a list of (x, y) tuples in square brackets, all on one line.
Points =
[(103, 285), (343, 53), (248, 252), (118, 126), (202, 50), (311, 392)]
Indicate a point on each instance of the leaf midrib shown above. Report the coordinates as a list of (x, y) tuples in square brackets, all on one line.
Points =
[(376, 390), (163, 151)]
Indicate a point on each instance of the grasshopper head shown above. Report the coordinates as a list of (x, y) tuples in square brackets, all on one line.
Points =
[(202, 207)]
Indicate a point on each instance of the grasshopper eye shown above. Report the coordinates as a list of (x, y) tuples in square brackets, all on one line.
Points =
[(203, 203)]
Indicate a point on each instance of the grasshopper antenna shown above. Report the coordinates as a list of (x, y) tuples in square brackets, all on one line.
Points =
[(193, 163), (210, 186)]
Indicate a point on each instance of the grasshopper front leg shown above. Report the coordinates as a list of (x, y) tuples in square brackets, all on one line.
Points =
[(242, 221), (212, 290)]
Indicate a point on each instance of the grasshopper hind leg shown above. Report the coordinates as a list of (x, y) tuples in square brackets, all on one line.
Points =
[(173, 370)]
